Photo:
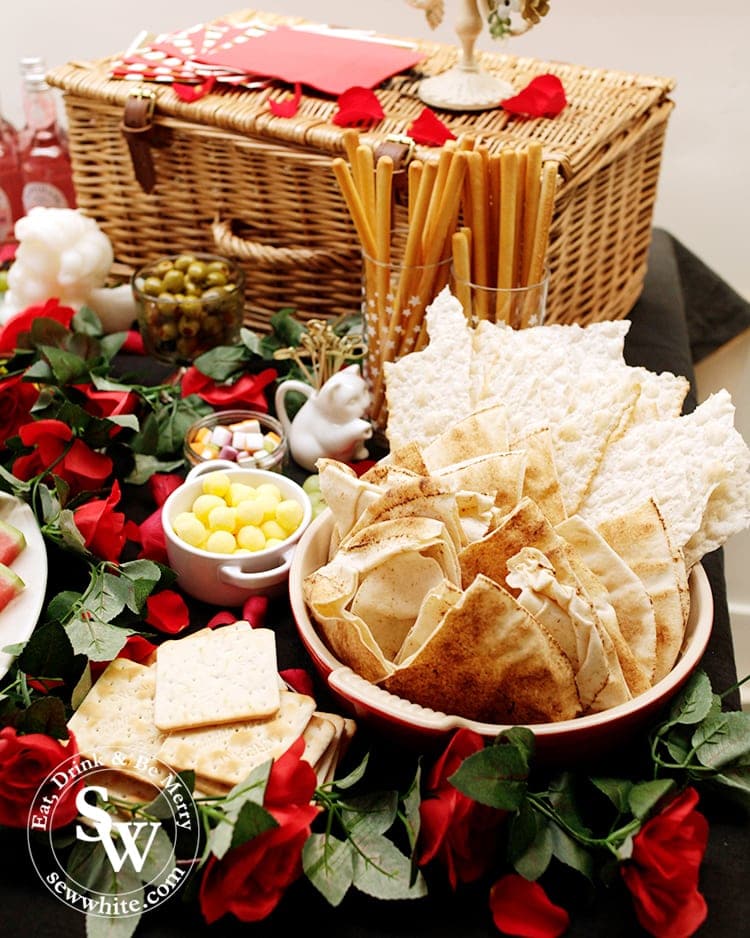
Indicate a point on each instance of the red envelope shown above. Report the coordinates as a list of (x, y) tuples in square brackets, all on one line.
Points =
[(330, 64)]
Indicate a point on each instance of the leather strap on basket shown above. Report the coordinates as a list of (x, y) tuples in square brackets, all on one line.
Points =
[(401, 149), (136, 125)]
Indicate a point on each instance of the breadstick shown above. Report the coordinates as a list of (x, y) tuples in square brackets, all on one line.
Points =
[(531, 204), (462, 270), (414, 177), (493, 215), (445, 161), (353, 201), (365, 178), (436, 248), (479, 207), (351, 142), (383, 215), (507, 238), (520, 212), (541, 231)]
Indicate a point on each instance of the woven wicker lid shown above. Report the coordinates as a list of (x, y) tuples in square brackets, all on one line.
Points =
[(602, 104)]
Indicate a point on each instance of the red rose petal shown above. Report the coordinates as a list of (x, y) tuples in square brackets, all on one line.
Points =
[(221, 618), (287, 107), (254, 610), (358, 106), (192, 93), (429, 130), (520, 907), (544, 96), (167, 612), (299, 680)]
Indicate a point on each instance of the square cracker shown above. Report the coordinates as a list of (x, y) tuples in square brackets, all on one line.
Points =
[(216, 676), (227, 754), (116, 718)]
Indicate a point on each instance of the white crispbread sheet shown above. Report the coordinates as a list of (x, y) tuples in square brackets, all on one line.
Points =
[(117, 716), (429, 390), (227, 754), (696, 468), (216, 676)]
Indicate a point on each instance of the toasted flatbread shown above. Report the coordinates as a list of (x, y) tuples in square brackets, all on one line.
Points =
[(625, 591), (524, 676), (481, 432), (640, 537)]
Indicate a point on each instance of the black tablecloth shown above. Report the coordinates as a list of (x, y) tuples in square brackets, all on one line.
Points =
[(667, 333)]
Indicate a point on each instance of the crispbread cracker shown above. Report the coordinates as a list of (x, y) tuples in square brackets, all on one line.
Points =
[(694, 467), (216, 676), (500, 475), (227, 754), (422, 394), (117, 716)]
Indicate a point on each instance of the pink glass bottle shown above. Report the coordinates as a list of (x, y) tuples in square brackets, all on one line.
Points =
[(45, 160), (10, 180)]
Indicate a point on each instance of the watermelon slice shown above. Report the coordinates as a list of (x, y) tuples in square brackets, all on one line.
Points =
[(11, 585), (12, 542)]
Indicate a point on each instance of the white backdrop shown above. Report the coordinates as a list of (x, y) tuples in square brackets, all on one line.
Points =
[(704, 192)]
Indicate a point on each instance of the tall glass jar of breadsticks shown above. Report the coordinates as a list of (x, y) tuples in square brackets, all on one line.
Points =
[(469, 220)]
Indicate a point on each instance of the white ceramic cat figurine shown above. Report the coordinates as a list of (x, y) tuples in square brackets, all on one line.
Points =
[(330, 423)]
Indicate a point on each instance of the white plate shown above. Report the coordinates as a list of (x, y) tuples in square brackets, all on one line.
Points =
[(19, 617)]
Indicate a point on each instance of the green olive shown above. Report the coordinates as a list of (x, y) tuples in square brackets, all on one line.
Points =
[(167, 332), (152, 286), (216, 278), (174, 280), (188, 327), (197, 271), (167, 303), (191, 306), (162, 267), (184, 261), (192, 288)]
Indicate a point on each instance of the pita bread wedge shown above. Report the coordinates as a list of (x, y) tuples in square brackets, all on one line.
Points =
[(622, 662), (345, 494), (524, 676), (541, 482), (407, 458), (640, 537), (524, 526), (484, 431), (327, 593), (500, 475), (369, 596), (625, 591), (555, 599), (422, 497), (434, 606)]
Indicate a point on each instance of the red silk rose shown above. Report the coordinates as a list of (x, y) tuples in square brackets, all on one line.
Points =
[(662, 873), (108, 403), (522, 908), (454, 828), (251, 879), (81, 467), (25, 762), (248, 389), (104, 530), (16, 400), (21, 322), (167, 612)]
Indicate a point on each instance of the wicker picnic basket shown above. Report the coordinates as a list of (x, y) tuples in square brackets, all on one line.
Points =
[(234, 179)]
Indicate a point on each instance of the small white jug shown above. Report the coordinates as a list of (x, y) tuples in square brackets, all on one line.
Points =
[(330, 423)]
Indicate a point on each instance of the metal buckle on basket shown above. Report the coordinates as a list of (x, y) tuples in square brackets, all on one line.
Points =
[(400, 147)]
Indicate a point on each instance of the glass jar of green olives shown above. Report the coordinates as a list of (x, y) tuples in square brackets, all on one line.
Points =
[(187, 304)]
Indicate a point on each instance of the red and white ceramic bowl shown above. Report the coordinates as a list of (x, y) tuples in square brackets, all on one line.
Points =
[(568, 740)]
